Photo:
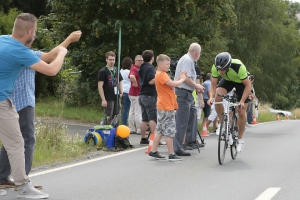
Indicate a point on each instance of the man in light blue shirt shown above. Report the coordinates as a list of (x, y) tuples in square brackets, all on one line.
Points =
[(14, 56), (186, 114), (23, 98)]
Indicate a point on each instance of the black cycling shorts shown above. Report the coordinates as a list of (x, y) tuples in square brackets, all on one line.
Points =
[(229, 85)]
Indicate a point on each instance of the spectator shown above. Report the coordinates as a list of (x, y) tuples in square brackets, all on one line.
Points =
[(135, 115), (199, 97), (148, 95), (23, 98), (186, 115), (250, 106), (206, 108), (14, 56), (126, 65), (109, 87), (166, 104)]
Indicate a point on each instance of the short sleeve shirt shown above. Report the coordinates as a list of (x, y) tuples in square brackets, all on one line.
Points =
[(165, 94), (186, 63), (110, 79), (237, 72), (147, 73), (206, 85), (23, 93), (14, 56), (135, 91)]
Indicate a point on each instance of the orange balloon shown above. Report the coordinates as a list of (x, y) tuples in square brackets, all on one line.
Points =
[(123, 131)]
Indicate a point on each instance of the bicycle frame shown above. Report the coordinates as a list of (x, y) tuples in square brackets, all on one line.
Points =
[(225, 134)]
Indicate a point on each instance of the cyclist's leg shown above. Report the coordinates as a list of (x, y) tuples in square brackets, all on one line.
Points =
[(222, 89), (241, 111)]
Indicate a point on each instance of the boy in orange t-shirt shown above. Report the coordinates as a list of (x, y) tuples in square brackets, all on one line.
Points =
[(166, 105)]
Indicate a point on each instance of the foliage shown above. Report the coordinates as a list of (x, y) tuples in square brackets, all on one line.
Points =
[(267, 45), (7, 21), (163, 26)]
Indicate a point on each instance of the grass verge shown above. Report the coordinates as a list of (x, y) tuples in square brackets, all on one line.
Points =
[(52, 107)]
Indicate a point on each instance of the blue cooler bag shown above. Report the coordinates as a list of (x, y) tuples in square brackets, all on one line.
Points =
[(107, 135)]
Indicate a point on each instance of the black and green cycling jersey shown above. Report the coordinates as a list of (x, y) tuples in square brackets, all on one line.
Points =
[(237, 72)]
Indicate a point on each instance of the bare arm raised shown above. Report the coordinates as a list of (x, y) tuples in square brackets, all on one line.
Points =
[(51, 55), (52, 68)]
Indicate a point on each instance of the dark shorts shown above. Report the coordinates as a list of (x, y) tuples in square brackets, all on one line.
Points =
[(229, 85), (148, 107), (206, 108)]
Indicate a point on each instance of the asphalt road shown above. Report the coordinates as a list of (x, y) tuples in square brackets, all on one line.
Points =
[(268, 168)]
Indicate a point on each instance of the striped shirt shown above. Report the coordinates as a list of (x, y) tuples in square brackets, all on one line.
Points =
[(23, 94)]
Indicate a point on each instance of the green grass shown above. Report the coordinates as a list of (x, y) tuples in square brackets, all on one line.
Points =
[(53, 145), (55, 108)]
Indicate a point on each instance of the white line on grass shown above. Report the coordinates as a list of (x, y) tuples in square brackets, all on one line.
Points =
[(268, 194), (84, 162)]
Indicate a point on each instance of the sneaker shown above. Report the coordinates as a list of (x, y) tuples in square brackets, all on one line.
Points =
[(162, 143), (174, 157), (189, 147), (8, 184), (240, 146), (156, 155), (3, 192), (38, 187), (218, 130), (144, 141), (29, 192), (248, 125)]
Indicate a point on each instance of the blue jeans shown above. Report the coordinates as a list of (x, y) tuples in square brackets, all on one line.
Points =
[(249, 113), (26, 122), (126, 107)]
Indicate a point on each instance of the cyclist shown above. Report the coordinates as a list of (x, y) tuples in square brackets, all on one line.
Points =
[(234, 74)]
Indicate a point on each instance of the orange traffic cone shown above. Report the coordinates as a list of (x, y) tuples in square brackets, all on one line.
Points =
[(254, 120), (295, 117), (277, 117), (287, 117), (204, 131), (150, 143)]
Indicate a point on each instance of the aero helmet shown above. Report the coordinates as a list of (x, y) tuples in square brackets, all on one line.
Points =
[(223, 60)]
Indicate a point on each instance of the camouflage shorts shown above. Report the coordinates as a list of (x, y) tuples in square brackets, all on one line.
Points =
[(166, 123)]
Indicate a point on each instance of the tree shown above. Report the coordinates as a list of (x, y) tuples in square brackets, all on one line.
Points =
[(164, 26), (267, 45)]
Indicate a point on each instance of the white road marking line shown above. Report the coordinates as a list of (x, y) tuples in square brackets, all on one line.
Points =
[(84, 162), (268, 194)]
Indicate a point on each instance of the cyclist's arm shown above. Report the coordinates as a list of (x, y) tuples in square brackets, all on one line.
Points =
[(247, 90), (213, 87)]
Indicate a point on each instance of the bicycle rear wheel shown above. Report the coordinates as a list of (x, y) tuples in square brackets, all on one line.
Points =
[(234, 133), (222, 145)]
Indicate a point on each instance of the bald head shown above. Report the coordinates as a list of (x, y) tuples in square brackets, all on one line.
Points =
[(23, 23), (194, 47), (195, 51)]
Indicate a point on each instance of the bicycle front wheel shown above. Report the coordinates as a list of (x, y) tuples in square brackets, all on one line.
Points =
[(234, 133), (222, 145)]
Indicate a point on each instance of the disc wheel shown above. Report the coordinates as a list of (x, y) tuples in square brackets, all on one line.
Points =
[(222, 145), (233, 134)]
